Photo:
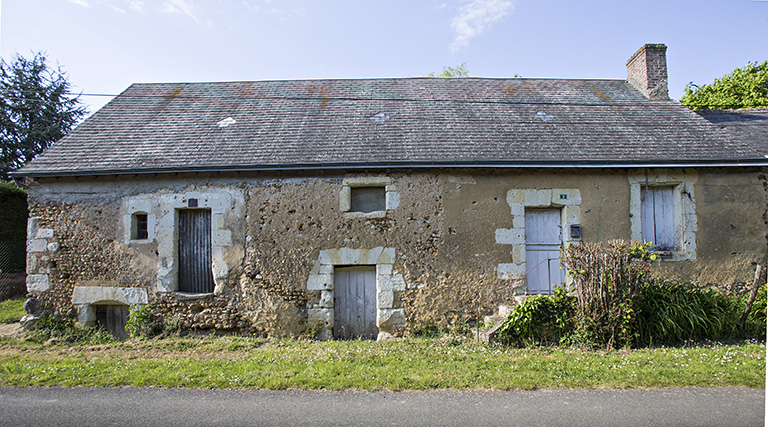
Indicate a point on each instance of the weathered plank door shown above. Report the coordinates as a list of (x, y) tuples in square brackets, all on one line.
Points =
[(195, 274), (113, 319), (658, 216), (543, 229), (354, 302)]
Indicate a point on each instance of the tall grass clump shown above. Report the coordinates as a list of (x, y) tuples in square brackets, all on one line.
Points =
[(671, 313), (755, 325), (53, 330)]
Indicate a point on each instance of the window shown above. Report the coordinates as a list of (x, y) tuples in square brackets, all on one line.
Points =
[(140, 226), (658, 216), (662, 210), (367, 199)]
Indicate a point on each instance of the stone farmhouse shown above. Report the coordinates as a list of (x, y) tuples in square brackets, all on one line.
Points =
[(367, 207)]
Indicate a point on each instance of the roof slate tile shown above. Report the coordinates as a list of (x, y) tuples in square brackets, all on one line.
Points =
[(312, 123)]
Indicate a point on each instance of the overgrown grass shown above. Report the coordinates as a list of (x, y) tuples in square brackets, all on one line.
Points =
[(659, 314), (406, 364), (12, 310), (675, 312), (51, 330)]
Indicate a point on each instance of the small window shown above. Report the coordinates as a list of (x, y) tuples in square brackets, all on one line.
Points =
[(367, 199), (140, 226), (658, 216)]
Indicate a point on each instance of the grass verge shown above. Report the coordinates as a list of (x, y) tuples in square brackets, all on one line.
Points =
[(406, 364), (12, 310)]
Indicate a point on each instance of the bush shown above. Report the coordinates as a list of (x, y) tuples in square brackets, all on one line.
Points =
[(607, 277), (672, 313), (540, 320), (142, 322), (616, 306)]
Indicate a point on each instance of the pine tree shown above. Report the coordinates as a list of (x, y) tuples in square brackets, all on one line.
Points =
[(36, 109)]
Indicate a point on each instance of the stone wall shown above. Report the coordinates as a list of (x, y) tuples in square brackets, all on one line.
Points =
[(446, 248)]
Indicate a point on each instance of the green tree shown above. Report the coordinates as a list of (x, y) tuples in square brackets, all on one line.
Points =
[(743, 88), (458, 71), (36, 109)]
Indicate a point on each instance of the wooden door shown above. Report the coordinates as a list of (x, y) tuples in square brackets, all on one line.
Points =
[(195, 262), (113, 319), (543, 230), (354, 302)]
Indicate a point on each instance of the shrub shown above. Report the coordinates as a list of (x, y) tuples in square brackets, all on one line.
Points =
[(540, 320), (671, 313), (142, 322), (607, 278)]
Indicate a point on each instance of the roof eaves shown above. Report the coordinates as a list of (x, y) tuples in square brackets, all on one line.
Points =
[(586, 164)]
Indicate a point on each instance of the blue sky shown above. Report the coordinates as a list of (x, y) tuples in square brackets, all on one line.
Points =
[(105, 45)]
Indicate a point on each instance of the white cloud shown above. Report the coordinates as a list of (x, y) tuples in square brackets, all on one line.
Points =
[(138, 6), (116, 5), (250, 7), (475, 18), (188, 8), (181, 7)]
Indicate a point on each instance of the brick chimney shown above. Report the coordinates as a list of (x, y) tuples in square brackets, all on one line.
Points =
[(647, 70)]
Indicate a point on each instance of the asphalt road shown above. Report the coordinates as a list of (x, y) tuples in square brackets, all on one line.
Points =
[(150, 406)]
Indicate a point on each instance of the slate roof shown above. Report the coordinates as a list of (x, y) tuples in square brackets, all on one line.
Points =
[(749, 125), (410, 122)]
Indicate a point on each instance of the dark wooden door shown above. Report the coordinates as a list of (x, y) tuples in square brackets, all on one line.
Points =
[(195, 261), (354, 302), (113, 319)]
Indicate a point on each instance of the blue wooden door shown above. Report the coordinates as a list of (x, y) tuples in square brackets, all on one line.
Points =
[(354, 302), (543, 236)]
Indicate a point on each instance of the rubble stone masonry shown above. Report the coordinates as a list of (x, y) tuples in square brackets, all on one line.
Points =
[(448, 247)]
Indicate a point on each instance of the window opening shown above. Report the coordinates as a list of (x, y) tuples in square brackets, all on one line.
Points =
[(367, 199), (140, 226)]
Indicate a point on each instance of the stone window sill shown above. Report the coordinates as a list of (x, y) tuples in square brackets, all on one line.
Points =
[(189, 296), (362, 215)]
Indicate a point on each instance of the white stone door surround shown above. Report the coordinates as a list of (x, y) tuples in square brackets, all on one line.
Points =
[(567, 199), (320, 315), (85, 297), (226, 204)]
